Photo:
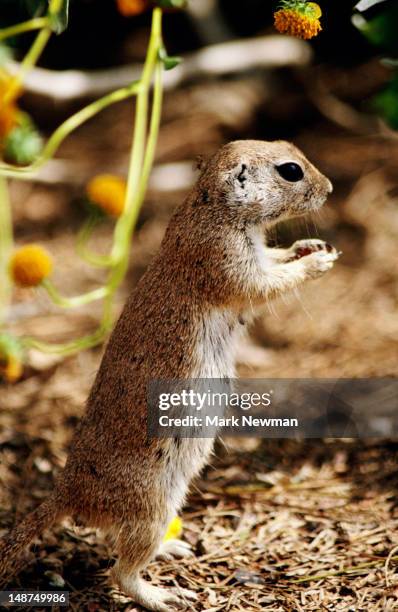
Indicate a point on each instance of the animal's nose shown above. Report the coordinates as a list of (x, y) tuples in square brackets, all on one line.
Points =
[(329, 186)]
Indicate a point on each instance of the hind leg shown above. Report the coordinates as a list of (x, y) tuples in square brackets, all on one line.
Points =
[(136, 545)]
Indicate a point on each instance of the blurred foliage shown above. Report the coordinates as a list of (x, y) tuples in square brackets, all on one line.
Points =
[(169, 62), (59, 20), (380, 29), (11, 358), (386, 103), (5, 54), (35, 7), (23, 144)]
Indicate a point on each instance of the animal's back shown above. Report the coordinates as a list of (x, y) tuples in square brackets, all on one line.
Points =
[(162, 334)]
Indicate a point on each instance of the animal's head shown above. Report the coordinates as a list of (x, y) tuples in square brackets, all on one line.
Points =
[(262, 182)]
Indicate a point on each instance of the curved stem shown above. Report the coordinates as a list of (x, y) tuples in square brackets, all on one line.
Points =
[(139, 169), (98, 261), (29, 61), (139, 193), (37, 48), (32, 56), (126, 222), (75, 301), (137, 178), (27, 26), (68, 348), (153, 133), (68, 126)]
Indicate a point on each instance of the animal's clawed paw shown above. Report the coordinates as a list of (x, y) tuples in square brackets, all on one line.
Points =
[(184, 595), (319, 262), (174, 548), (157, 599), (304, 248)]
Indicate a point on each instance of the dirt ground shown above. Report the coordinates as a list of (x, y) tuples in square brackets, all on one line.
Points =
[(292, 526)]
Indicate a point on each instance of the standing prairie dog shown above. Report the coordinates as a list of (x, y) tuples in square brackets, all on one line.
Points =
[(181, 321)]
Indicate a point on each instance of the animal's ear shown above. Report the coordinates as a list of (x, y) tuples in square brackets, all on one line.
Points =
[(200, 162)]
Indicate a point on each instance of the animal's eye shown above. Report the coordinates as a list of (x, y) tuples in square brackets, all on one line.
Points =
[(242, 176), (290, 172)]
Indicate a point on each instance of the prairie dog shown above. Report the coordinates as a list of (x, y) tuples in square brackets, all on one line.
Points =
[(181, 321)]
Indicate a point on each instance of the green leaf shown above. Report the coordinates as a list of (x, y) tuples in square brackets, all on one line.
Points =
[(23, 145), (59, 21), (381, 30), (169, 62), (172, 3)]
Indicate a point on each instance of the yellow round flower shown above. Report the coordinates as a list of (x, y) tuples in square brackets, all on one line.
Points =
[(11, 369), (108, 192), (129, 8), (298, 18), (174, 530), (30, 265)]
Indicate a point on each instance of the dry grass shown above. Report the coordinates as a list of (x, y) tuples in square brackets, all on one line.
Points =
[(279, 526)]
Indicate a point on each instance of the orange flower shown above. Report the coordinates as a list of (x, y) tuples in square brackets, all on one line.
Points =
[(8, 119), (11, 369), (298, 18), (130, 8), (30, 265), (11, 358), (108, 192), (9, 112)]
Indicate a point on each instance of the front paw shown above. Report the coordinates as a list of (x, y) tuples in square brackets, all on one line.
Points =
[(303, 248), (318, 263)]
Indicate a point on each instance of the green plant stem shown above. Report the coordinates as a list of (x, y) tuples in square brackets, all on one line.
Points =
[(153, 135), (137, 181), (68, 348), (66, 128), (38, 46), (6, 242), (98, 261), (32, 56), (27, 26), (75, 301), (140, 163), (139, 169)]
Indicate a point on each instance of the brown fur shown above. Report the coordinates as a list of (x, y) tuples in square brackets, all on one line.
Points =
[(115, 476)]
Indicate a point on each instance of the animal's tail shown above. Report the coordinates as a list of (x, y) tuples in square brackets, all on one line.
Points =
[(14, 543)]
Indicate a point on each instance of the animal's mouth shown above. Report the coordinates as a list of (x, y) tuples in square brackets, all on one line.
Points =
[(315, 203), (312, 204)]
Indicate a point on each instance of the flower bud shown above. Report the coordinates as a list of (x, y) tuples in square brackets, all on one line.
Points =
[(108, 192), (30, 265), (130, 8)]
